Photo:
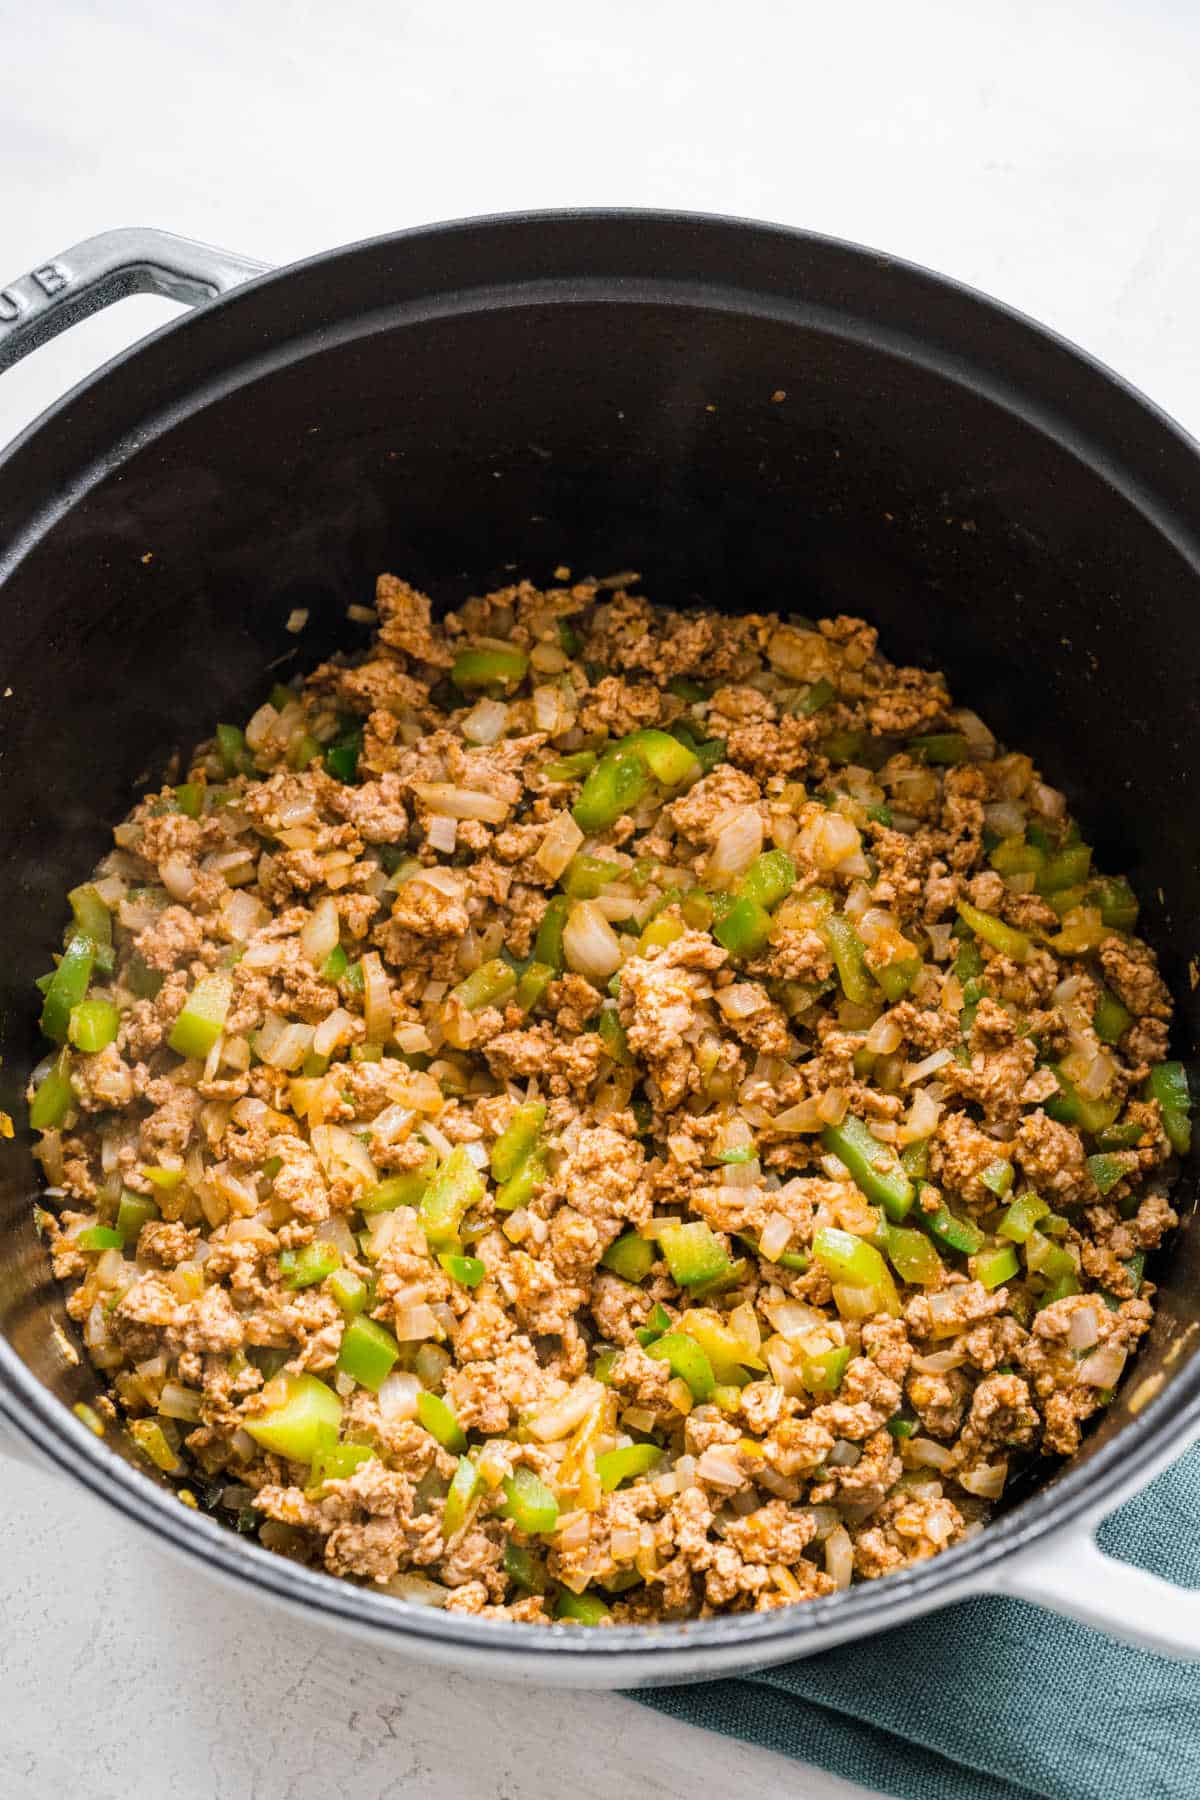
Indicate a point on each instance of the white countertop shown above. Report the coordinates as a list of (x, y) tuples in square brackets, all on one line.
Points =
[(1049, 155)]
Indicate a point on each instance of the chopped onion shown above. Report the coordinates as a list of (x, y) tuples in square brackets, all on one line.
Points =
[(794, 1319), (590, 945), (844, 1454), (563, 838), (884, 1037), (718, 1467), (775, 1237), (939, 1363), (922, 1117), (914, 1072), (739, 840), (418, 1590), (1103, 1368), (485, 722), (827, 839), (1083, 1329), (414, 1323), (177, 1402), (804, 1116), (460, 803), (839, 1557), (320, 933), (335, 1230), (980, 742), (1049, 802), (924, 1453), (335, 1028), (339, 1152), (288, 1046), (243, 915), (741, 999), (940, 938), (377, 999), (261, 726), (178, 877), (555, 1420), (986, 1481), (442, 833)]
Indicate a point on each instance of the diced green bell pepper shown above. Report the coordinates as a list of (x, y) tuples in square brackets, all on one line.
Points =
[(625, 1464), (441, 1422), (994, 1266), (520, 1188), (1070, 1107), (548, 945), (341, 757), (134, 1211), (614, 787), (1022, 1216), (769, 879), (944, 747), (694, 1255), (912, 1255), (817, 698), (1066, 868), (846, 948), (998, 1176), (457, 1185), (1168, 1084), (822, 1371), (581, 1609), (614, 1038), (54, 1097), (685, 1358), (1116, 900), (1045, 1258), (874, 1166), (528, 1502), (533, 984), (569, 768), (202, 1020), (1107, 1169), (504, 668), (1111, 1019), (517, 1139), (745, 928), (1013, 856), (586, 876), (658, 1322), (350, 1291), (91, 914), (852, 1262), (336, 1462), (954, 1234), (488, 985), (94, 1025), (993, 931), (468, 1271), (465, 1488), (668, 759), (310, 1264), (99, 1237), (524, 1568), (335, 964), (303, 1416), (631, 1257), (68, 986), (152, 1440), (368, 1353), (397, 1190), (895, 978), (231, 748)]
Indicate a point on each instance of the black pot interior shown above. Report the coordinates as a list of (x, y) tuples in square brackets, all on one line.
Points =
[(750, 419)]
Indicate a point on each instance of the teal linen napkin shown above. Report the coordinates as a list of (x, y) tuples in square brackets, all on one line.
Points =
[(992, 1699)]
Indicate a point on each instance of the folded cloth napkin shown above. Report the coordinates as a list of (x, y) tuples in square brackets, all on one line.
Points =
[(992, 1699)]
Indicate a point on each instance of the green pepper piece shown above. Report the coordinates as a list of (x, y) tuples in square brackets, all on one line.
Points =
[(822, 1371), (1066, 868), (769, 879), (335, 1462), (900, 1427), (548, 944), (612, 789), (912, 1255), (303, 1417), (875, 1167), (517, 1139), (202, 1020), (745, 928), (465, 1488), (469, 1271), (397, 1190), (350, 1291), (441, 1421), (569, 768), (454, 1187), (944, 747), (488, 985), (993, 931), (94, 1025), (134, 1211), (1050, 1260), (581, 1609), (1111, 1019), (99, 1237), (668, 759), (68, 985), (602, 1368), (505, 668), (524, 1568), (693, 1253), (54, 1097), (613, 1036), (153, 1442), (626, 1464), (231, 748), (532, 986), (1120, 1137), (341, 757), (1070, 1107), (528, 1502), (1106, 1170), (368, 1353), (968, 963), (302, 751), (817, 698), (952, 1233), (1065, 1285), (1013, 856), (998, 1176), (685, 1358), (684, 688), (91, 914), (914, 1159), (1116, 900), (843, 746), (142, 981), (631, 1257), (730, 1276), (310, 1264), (658, 1322), (994, 1266), (586, 876), (1022, 1216), (895, 978), (710, 753), (846, 948), (189, 798), (880, 815), (1136, 1265), (1168, 1084), (522, 1186), (853, 1262)]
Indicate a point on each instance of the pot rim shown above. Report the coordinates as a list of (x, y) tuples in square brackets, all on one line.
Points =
[(1082, 1492)]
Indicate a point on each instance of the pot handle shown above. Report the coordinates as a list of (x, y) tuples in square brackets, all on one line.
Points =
[(1070, 1574), (92, 275)]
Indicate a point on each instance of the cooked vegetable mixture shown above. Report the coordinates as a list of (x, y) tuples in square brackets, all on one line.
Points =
[(606, 1114)]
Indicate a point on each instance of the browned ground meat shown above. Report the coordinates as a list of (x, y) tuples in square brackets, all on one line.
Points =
[(469, 1197)]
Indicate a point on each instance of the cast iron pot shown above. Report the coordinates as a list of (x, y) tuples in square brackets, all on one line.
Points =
[(752, 418)]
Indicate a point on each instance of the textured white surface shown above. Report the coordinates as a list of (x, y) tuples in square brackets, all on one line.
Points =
[(1048, 154)]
